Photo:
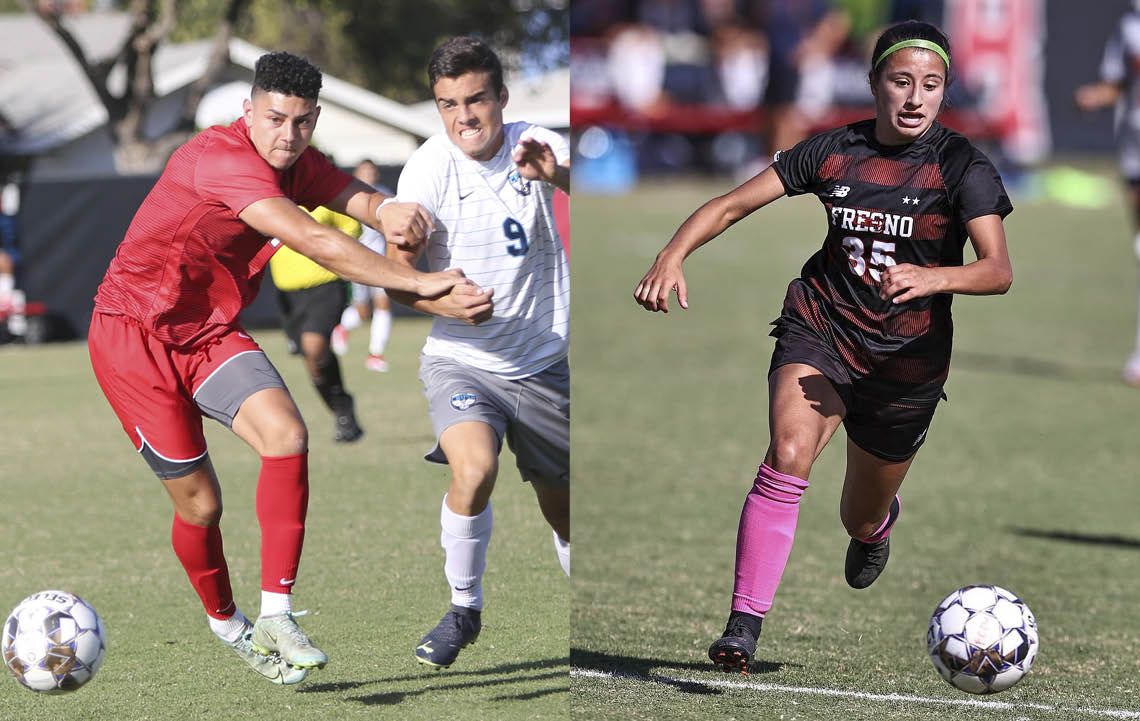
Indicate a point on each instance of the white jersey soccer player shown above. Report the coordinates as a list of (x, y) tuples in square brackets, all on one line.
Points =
[(1119, 85), (500, 228), (494, 366)]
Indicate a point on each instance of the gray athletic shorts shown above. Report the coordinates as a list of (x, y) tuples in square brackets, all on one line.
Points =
[(533, 413)]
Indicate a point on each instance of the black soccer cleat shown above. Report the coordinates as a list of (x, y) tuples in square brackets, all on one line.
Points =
[(733, 651), (347, 429), (865, 561), (458, 628)]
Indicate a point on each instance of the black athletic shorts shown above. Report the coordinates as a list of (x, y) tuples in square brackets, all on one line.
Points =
[(884, 419), (312, 310)]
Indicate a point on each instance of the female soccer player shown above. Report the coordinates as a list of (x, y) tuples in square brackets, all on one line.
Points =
[(865, 333)]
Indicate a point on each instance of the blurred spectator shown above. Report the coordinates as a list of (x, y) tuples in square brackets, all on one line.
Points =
[(803, 36), (1118, 86)]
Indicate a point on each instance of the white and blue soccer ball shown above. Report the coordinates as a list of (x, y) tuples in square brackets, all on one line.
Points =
[(53, 642), (982, 639)]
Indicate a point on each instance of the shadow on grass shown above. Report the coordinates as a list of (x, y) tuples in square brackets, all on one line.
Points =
[(642, 668), (1036, 367), (1091, 539), (512, 673)]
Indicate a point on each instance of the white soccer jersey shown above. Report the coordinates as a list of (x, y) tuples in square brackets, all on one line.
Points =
[(499, 228), (1118, 66)]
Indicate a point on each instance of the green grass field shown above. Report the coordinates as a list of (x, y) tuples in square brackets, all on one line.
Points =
[(81, 512), (1028, 480)]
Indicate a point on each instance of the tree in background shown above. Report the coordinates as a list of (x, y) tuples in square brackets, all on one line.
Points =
[(382, 46), (152, 22)]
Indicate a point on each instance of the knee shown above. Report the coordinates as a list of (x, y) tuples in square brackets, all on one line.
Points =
[(791, 455), (287, 437), (201, 509), (473, 474)]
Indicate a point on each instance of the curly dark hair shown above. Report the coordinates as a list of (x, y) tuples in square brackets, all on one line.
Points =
[(282, 72), (465, 54)]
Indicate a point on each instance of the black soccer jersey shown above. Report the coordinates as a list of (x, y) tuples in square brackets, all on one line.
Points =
[(886, 205)]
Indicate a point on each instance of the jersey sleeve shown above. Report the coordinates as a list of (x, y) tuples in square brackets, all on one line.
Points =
[(982, 192), (1112, 64), (420, 180), (799, 167), (315, 180), (228, 176)]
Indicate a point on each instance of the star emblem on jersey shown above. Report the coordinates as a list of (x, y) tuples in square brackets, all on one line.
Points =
[(910, 201), (519, 183), (463, 401)]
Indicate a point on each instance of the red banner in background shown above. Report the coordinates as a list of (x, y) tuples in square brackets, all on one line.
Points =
[(998, 54)]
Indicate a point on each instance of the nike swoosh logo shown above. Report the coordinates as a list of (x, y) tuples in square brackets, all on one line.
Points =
[(462, 196), (243, 335), (287, 582), (465, 588)]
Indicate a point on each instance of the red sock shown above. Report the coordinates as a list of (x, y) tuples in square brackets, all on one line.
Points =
[(282, 500), (199, 549)]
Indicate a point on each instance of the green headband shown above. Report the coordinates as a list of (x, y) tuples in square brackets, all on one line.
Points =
[(924, 44)]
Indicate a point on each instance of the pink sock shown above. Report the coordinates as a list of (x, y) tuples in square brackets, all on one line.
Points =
[(282, 502), (767, 529), (887, 524), (199, 549)]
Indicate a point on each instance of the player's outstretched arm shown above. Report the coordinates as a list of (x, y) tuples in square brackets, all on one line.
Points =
[(464, 301), (709, 221), (407, 225), (281, 218), (535, 160), (990, 274), (1094, 96)]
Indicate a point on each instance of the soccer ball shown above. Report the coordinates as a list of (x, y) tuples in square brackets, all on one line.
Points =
[(53, 642), (982, 639)]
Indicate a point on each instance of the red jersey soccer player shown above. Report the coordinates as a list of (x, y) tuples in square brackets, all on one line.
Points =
[(864, 338), (167, 347)]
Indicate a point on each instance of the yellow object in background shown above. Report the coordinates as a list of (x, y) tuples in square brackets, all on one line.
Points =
[(292, 271)]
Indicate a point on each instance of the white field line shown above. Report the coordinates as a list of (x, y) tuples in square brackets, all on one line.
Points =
[(889, 697)]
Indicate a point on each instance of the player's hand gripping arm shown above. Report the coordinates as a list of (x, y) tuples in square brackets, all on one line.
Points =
[(1094, 96), (535, 161), (709, 221), (990, 274), (464, 301), (406, 225), (281, 218)]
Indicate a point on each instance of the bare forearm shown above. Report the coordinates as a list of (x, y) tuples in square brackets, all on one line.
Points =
[(986, 276), (352, 261), (707, 222)]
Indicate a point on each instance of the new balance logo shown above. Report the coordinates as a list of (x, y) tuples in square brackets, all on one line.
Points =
[(840, 191)]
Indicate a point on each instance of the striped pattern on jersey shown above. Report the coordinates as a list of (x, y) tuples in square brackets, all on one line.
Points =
[(499, 228), (886, 205), (188, 263)]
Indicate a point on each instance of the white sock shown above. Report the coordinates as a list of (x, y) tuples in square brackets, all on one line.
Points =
[(465, 540), (381, 329), (563, 549), (350, 318), (275, 603), (228, 629), (7, 282)]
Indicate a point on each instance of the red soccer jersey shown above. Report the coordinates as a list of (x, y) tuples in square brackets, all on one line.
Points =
[(188, 263)]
